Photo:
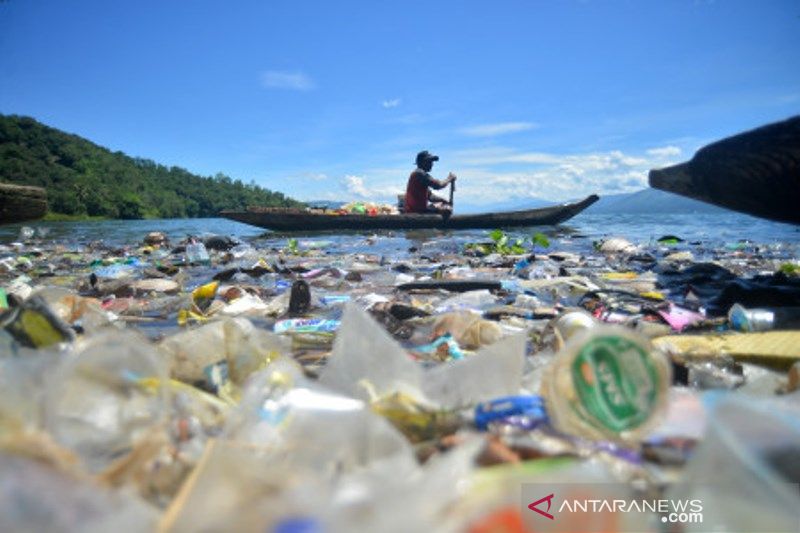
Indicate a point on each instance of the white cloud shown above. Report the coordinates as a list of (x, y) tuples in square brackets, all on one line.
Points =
[(490, 176), (355, 185), (664, 152), (388, 104), (380, 191), (499, 174), (493, 130), (295, 81)]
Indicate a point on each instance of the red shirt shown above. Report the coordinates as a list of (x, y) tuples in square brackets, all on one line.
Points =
[(417, 191)]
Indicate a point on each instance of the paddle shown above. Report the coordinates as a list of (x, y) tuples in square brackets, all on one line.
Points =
[(452, 190)]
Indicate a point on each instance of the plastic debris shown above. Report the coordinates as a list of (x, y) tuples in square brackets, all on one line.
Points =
[(219, 384), (196, 253), (34, 325), (468, 329), (299, 298), (607, 383), (301, 325)]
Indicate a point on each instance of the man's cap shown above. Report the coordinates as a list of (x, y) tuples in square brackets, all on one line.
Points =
[(426, 156)]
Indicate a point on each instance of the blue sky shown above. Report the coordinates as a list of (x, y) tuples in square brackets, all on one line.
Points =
[(332, 100)]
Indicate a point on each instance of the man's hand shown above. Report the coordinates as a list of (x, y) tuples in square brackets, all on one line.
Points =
[(451, 177)]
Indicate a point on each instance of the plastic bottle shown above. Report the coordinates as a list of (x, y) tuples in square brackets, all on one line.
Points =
[(569, 324), (196, 253), (25, 234), (743, 319), (607, 383)]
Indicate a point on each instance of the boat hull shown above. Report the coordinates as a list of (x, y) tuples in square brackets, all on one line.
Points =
[(756, 172), (300, 220), (19, 203)]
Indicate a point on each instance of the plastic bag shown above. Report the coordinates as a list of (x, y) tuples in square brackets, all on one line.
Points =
[(364, 354), (100, 402), (323, 430), (36, 498), (745, 471), (235, 341)]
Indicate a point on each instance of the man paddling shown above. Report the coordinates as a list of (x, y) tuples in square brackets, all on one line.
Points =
[(419, 198)]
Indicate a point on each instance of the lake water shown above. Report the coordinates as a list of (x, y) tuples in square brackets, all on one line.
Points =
[(708, 231)]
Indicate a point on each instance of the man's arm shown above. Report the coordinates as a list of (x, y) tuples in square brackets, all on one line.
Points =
[(440, 184)]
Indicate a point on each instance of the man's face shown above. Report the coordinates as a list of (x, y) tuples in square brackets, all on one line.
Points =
[(426, 165)]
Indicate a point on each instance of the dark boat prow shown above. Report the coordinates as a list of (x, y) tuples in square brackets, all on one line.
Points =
[(19, 203), (280, 219), (756, 172)]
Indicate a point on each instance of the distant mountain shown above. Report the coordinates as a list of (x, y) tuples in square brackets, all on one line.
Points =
[(644, 201), (509, 205), (84, 179), (651, 201)]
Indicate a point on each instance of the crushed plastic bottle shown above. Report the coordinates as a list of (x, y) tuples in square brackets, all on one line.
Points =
[(196, 254)]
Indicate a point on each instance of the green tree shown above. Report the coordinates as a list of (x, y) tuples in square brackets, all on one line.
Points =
[(84, 178)]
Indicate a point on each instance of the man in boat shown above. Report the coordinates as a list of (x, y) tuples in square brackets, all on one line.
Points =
[(419, 198)]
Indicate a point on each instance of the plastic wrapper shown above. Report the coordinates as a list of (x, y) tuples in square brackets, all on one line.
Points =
[(33, 325), (416, 420)]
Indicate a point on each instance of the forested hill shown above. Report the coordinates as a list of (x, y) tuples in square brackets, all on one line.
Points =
[(83, 178)]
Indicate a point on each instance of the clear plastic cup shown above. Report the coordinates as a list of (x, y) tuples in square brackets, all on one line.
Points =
[(608, 383)]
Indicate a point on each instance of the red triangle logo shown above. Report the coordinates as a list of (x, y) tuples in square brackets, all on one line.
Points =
[(549, 500)]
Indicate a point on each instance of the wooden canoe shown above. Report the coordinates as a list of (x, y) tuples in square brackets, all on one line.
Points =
[(291, 219), (755, 172), (19, 203)]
